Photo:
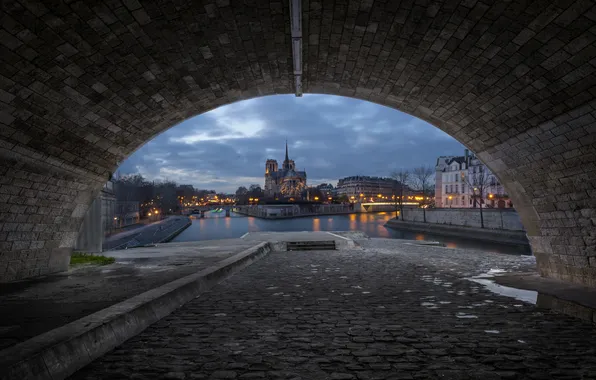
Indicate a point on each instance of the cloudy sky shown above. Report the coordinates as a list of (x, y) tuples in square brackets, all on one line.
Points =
[(328, 136)]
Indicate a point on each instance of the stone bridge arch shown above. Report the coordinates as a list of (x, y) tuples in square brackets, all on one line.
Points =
[(85, 83)]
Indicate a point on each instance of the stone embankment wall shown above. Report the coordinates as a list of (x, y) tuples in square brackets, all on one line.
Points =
[(292, 211), (498, 219)]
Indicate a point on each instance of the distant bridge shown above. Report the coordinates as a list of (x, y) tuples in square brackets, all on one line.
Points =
[(381, 206), (210, 212)]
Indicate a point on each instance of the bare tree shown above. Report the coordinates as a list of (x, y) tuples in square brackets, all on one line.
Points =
[(478, 182), (402, 176), (422, 181)]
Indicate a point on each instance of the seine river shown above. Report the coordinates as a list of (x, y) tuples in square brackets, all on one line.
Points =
[(217, 226)]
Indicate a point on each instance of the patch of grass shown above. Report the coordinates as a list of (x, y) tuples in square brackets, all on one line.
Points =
[(87, 258)]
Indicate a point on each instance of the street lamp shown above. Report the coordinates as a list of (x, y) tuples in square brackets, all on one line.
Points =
[(450, 201)]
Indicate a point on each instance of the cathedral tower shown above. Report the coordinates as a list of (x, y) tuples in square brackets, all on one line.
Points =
[(270, 173), (270, 166)]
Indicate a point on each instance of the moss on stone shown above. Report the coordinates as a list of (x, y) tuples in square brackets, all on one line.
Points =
[(86, 258)]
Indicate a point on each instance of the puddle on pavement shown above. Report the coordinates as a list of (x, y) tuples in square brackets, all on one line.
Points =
[(487, 280), (466, 316), (543, 301)]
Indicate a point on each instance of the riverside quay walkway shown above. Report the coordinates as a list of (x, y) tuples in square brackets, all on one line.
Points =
[(267, 306), (158, 232)]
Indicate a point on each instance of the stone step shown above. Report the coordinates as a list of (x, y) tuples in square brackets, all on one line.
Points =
[(327, 245)]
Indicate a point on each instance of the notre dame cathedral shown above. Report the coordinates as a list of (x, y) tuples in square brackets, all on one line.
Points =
[(285, 182)]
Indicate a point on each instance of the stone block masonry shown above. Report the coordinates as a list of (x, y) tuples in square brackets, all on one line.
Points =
[(83, 85), (497, 219)]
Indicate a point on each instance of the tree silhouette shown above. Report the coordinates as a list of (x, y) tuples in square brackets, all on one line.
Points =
[(478, 181), (422, 181), (402, 176)]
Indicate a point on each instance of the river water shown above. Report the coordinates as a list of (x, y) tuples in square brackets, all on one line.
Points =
[(217, 226)]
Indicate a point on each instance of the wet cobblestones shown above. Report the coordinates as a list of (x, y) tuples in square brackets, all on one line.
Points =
[(388, 310)]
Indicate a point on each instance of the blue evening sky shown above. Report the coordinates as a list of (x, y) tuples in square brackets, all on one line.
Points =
[(328, 136)]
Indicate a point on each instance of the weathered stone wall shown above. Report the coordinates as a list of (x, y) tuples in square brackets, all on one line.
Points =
[(40, 213), (91, 234), (499, 219), (83, 84)]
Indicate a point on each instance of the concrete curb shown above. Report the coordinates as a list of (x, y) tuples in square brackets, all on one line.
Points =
[(59, 353), (483, 234)]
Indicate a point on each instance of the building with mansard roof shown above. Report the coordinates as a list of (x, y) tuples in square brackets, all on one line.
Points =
[(465, 182)]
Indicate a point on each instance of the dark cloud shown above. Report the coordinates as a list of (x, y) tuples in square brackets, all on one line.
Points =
[(330, 137)]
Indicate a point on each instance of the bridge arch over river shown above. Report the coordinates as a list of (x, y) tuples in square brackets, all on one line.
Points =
[(85, 83)]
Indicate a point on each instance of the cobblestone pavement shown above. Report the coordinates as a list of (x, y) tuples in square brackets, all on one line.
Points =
[(388, 310)]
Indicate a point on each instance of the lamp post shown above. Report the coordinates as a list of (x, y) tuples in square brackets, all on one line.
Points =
[(450, 201)]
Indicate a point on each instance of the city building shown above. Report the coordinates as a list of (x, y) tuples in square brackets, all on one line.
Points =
[(368, 189), (327, 190), (108, 206), (285, 182), (460, 180), (127, 213)]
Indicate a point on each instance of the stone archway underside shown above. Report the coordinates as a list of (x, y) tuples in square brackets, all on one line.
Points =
[(85, 83)]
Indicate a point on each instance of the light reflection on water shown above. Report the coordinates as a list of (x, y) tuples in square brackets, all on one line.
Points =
[(212, 227)]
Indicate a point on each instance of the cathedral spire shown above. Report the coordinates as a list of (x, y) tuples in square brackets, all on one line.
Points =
[(287, 158)]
